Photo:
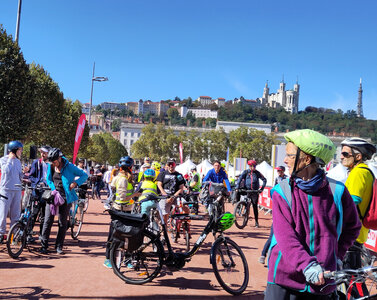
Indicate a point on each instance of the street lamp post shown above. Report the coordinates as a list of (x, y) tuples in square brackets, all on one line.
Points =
[(91, 92)]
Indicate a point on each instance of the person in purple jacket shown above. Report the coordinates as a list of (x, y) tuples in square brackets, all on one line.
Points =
[(315, 222)]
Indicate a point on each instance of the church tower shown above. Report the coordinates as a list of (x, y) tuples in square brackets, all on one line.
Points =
[(360, 101), (266, 91), (282, 94)]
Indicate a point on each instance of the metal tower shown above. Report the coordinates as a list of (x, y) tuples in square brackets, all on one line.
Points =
[(360, 102)]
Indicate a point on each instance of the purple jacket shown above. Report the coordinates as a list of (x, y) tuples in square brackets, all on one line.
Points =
[(306, 232)]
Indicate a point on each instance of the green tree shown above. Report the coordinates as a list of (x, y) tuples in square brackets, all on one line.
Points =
[(16, 96), (115, 125), (115, 148)]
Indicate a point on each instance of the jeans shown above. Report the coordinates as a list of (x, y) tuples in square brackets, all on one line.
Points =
[(268, 243)]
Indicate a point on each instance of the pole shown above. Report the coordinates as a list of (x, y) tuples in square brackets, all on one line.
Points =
[(91, 98), (18, 20)]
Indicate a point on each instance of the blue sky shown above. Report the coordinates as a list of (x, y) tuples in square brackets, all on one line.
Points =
[(159, 49)]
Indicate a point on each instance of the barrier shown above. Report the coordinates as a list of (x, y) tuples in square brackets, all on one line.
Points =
[(264, 200)]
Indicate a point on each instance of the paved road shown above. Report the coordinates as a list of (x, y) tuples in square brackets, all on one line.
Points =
[(79, 274)]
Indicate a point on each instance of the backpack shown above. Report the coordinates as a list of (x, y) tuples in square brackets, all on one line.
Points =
[(369, 219)]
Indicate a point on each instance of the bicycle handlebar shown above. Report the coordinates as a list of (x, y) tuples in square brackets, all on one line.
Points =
[(343, 274), (250, 191)]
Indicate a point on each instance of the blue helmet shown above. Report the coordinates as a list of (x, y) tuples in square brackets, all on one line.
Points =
[(14, 145), (149, 173), (126, 162)]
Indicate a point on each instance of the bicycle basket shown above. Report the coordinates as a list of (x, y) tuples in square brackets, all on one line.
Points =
[(225, 221), (215, 188)]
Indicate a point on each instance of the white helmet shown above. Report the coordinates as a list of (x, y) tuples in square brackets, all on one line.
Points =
[(361, 145)]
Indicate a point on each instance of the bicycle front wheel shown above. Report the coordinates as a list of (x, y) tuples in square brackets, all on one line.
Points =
[(242, 214), (139, 266), (230, 266), (16, 240), (77, 222)]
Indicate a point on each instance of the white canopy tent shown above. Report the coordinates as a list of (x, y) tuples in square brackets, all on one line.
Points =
[(185, 168), (267, 171), (204, 167)]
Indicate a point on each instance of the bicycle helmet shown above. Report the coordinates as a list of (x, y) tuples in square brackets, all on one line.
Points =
[(156, 166), (149, 173), (313, 143), (13, 146), (361, 145), (193, 168), (252, 162), (171, 161), (223, 165), (225, 221), (54, 154), (126, 162)]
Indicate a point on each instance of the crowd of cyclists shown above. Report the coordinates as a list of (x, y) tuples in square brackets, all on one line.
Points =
[(316, 221)]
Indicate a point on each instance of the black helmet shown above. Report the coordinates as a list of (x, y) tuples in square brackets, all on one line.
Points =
[(126, 162), (361, 145), (13, 146), (54, 154)]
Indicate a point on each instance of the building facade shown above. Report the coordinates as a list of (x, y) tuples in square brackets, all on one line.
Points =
[(198, 112)]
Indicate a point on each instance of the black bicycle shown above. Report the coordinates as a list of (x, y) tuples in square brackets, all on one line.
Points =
[(76, 215), (214, 196), (242, 208), (18, 233), (141, 261)]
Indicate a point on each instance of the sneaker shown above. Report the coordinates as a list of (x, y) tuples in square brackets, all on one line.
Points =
[(262, 259), (60, 251), (107, 264), (256, 225)]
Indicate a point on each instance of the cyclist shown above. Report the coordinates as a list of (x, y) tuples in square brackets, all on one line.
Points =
[(38, 175), (123, 187), (310, 229), (195, 183), (84, 186), (359, 183), (10, 196), (148, 188), (250, 180), (61, 176), (98, 184), (170, 183), (217, 175), (144, 167)]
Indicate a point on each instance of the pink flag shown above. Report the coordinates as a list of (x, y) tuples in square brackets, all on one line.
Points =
[(79, 133), (181, 152)]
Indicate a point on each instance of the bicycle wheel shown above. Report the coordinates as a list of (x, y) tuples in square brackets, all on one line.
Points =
[(86, 205), (140, 266), (242, 214), (16, 240), (77, 222), (230, 266), (186, 229)]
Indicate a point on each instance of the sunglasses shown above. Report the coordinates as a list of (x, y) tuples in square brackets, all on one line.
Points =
[(171, 164), (346, 154)]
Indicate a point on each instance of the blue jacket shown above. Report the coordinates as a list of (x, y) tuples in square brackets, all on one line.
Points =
[(69, 172), (220, 177), (251, 181)]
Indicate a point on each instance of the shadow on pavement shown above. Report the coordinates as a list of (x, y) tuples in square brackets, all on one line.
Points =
[(35, 292), (18, 265)]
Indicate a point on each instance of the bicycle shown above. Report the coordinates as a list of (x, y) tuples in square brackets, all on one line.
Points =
[(142, 264), (181, 222), (242, 208), (215, 198), (18, 233), (353, 276), (76, 215)]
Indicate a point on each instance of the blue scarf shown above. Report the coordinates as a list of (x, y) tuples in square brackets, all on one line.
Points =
[(311, 185)]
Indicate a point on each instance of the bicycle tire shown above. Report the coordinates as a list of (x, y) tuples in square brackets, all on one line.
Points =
[(149, 256), (241, 213), (226, 256), (86, 205), (16, 240), (76, 225)]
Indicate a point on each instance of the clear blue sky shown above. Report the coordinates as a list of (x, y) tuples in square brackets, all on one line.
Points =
[(156, 49)]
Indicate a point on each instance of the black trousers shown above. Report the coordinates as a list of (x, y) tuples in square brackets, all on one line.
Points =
[(278, 292)]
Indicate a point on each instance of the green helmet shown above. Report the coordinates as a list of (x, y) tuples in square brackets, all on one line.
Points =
[(225, 221), (313, 143)]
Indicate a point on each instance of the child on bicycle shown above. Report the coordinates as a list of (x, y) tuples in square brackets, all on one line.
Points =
[(148, 189)]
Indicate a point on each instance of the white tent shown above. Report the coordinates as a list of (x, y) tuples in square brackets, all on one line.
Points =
[(185, 168), (267, 171), (339, 172), (373, 168), (204, 167)]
